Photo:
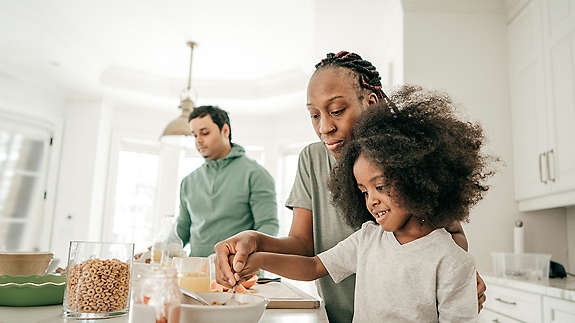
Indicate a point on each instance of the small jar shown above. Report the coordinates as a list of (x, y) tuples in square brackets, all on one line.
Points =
[(156, 296), (98, 279)]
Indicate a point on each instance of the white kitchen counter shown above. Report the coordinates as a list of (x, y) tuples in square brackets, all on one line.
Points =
[(562, 288), (53, 314)]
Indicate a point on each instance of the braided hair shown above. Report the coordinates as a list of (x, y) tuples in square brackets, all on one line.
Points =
[(365, 72)]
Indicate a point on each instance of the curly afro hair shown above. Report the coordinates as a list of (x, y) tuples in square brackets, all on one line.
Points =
[(430, 158)]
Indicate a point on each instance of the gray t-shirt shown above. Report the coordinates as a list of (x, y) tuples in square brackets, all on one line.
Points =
[(430, 279), (329, 227)]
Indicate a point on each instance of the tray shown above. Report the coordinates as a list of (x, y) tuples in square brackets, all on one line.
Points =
[(284, 295)]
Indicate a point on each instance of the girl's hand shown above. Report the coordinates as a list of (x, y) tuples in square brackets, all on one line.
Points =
[(231, 255), (252, 266)]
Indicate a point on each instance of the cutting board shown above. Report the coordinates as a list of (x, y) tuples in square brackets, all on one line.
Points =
[(284, 295)]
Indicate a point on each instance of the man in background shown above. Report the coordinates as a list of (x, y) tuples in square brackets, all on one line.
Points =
[(228, 194)]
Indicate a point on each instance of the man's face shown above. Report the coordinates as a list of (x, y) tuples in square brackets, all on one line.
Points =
[(210, 141), (334, 104)]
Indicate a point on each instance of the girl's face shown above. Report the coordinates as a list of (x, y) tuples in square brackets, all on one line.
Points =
[(371, 182)]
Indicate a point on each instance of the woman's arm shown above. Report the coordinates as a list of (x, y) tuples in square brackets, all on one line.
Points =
[(458, 235)]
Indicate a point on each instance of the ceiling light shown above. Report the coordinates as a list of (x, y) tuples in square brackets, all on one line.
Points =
[(178, 131)]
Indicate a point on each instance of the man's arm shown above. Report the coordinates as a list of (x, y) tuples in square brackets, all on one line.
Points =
[(263, 202), (184, 219)]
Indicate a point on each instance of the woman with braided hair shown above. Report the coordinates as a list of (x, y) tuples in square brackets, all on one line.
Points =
[(341, 88)]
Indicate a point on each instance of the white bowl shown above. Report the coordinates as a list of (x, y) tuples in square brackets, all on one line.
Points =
[(245, 313)]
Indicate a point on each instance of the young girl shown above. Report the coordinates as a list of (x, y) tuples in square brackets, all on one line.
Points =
[(410, 169)]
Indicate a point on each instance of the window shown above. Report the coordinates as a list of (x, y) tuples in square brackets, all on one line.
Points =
[(133, 193), (288, 169), (24, 157)]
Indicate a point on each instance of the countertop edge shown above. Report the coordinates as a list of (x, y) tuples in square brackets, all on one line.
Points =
[(562, 288)]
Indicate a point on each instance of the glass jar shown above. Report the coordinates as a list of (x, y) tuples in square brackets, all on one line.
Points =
[(156, 296), (98, 279), (167, 244), (194, 273)]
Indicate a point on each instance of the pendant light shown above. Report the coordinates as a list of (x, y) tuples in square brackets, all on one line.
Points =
[(178, 130)]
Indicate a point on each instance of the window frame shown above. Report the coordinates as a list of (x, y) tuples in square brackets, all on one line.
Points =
[(49, 179)]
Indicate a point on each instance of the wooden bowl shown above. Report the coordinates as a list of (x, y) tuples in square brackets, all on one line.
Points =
[(24, 263)]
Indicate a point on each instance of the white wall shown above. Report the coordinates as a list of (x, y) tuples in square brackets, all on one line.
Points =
[(36, 100), (81, 185), (363, 27), (463, 50)]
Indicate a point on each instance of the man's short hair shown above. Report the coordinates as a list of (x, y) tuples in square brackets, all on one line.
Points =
[(219, 116)]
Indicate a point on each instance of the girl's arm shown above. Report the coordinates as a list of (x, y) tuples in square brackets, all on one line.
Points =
[(457, 290), (289, 266)]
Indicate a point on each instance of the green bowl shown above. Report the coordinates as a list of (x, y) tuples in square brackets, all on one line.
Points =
[(33, 290)]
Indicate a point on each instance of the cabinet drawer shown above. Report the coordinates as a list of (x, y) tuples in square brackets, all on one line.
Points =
[(487, 316), (515, 304), (558, 310)]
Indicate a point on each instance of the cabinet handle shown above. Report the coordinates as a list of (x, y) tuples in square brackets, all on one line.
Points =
[(547, 157), (544, 181), (505, 302), (495, 321)]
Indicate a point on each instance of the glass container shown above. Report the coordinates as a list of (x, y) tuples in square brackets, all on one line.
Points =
[(156, 297), (98, 279)]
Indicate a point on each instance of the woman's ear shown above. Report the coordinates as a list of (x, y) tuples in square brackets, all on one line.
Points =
[(372, 98)]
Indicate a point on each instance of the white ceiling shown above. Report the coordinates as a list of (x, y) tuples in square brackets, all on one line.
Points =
[(136, 50)]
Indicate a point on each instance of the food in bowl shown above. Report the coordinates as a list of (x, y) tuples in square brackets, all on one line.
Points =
[(24, 263), (243, 288), (251, 309)]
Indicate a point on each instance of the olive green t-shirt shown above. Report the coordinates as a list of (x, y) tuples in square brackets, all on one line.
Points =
[(310, 192)]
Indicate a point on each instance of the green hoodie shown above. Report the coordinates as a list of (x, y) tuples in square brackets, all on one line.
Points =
[(223, 197)]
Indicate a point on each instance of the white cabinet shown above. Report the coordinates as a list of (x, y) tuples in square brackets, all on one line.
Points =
[(558, 310), (487, 316), (514, 304), (562, 81), (530, 302), (542, 92)]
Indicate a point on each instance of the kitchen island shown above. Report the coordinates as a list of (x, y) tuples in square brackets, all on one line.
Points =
[(53, 314)]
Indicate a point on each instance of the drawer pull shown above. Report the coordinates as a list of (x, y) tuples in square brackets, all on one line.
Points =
[(505, 302), (495, 321)]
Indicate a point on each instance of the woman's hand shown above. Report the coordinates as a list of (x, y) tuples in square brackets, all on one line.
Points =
[(240, 247), (480, 292)]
